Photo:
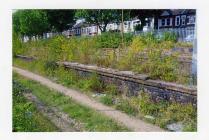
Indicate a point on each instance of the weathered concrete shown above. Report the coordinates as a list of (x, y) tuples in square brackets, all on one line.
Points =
[(26, 58), (133, 84)]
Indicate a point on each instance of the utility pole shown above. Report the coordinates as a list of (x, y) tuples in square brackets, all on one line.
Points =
[(122, 28)]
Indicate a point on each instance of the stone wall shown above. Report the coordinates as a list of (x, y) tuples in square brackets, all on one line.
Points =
[(132, 84)]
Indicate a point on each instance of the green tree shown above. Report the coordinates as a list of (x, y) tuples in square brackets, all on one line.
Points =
[(30, 22), (60, 20), (146, 13), (101, 17)]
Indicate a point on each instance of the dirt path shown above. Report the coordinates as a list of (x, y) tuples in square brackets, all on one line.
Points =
[(61, 120), (132, 123)]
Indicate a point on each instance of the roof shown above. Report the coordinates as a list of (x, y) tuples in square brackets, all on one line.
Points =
[(178, 12), (81, 24)]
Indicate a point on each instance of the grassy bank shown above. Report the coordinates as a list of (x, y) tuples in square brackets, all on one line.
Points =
[(92, 120), (26, 117), (141, 54), (163, 112)]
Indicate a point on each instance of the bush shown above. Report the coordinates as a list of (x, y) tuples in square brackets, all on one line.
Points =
[(66, 77), (126, 107), (147, 106), (111, 89), (95, 83), (17, 44), (26, 117), (107, 100), (159, 66), (113, 40), (169, 36), (50, 67)]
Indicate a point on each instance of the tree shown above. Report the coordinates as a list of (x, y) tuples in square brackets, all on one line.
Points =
[(30, 22), (60, 20), (101, 17), (146, 13), (16, 22)]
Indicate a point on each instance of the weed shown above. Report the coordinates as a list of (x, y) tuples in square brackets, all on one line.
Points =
[(107, 100), (92, 120), (126, 107), (26, 117), (111, 89)]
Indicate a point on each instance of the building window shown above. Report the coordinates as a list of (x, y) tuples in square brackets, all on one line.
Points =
[(163, 22), (171, 20), (183, 20), (191, 20), (167, 22), (177, 21)]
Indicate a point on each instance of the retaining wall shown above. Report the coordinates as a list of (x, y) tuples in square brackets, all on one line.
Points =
[(131, 84)]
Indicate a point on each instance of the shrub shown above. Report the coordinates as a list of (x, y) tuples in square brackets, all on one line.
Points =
[(95, 83), (146, 106), (169, 36), (111, 89), (126, 107), (17, 44), (158, 66), (107, 100), (66, 77), (175, 112), (113, 40), (50, 67), (26, 117), (91, 83)]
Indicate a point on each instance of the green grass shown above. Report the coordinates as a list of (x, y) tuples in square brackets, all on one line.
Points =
[(91, 50), (26, 117), (162, 111), (92, 120)]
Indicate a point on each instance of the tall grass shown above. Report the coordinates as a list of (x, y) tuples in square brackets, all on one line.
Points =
[(142, 54)]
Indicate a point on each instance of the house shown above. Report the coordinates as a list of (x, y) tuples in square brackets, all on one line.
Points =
[(81, 28), (178, 18), (129, 25)]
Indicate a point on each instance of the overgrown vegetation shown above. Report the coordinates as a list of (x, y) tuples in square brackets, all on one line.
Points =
[(162, 111), (92, 120), (26, 117), (142, 54)]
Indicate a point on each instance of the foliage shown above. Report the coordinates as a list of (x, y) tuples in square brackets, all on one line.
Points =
[(95, 83), (24, 22), (126, 107), (107, 100), (17, 44), (142, 54), (101, 17), (59, 20), (111, 89), (26, 118), (169, 112), (50, 67), (138, 27), (169, 36), (142, 14), (92, 120), (144, 104)]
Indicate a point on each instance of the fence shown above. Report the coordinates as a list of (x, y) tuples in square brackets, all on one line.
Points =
[(183, 34)]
